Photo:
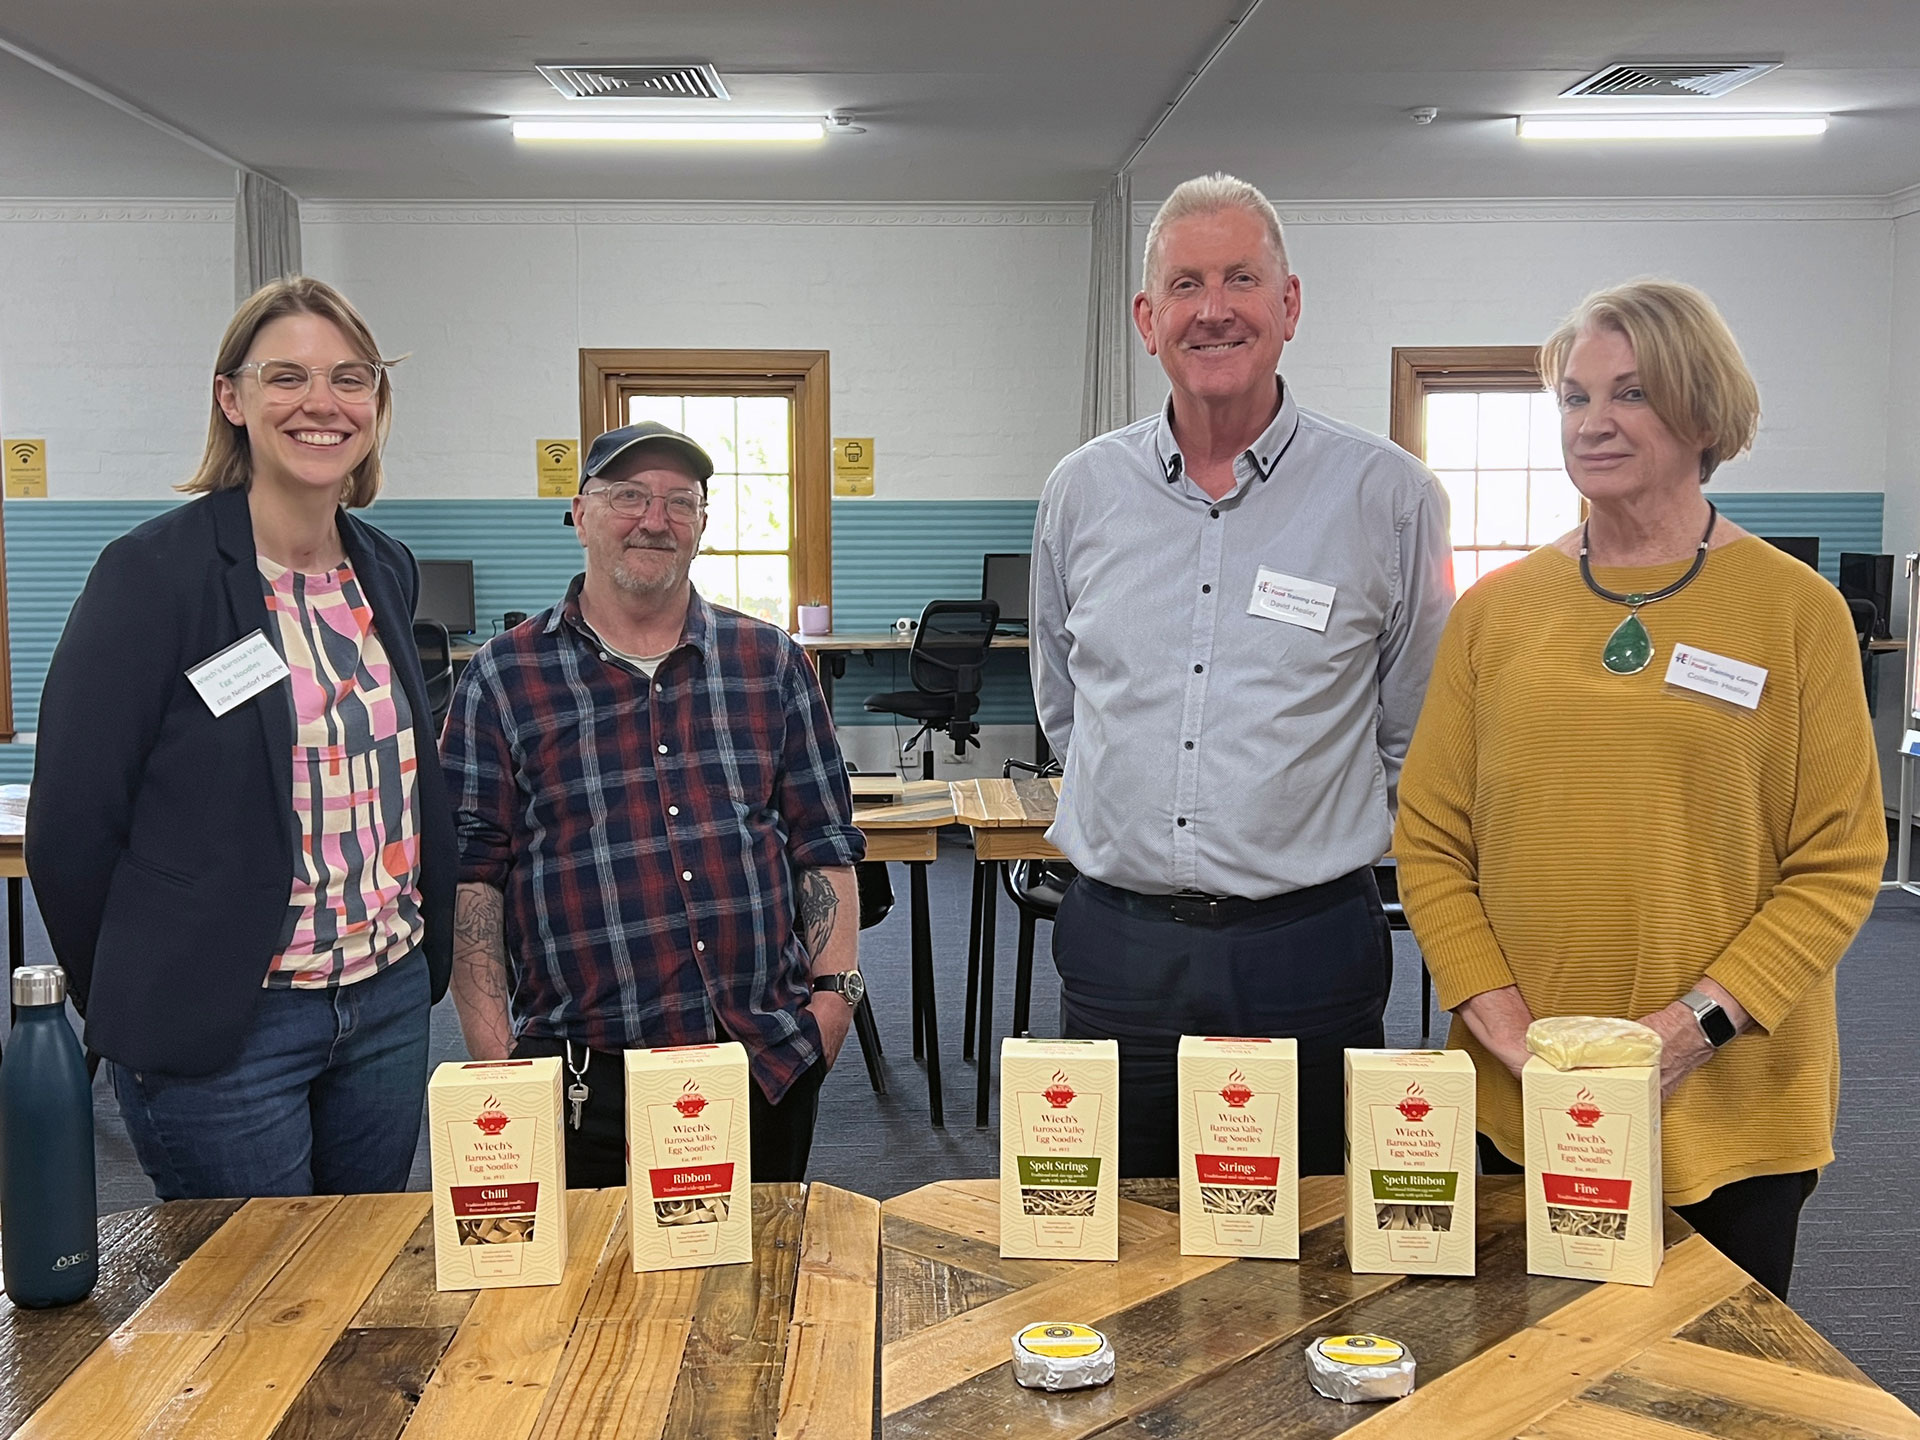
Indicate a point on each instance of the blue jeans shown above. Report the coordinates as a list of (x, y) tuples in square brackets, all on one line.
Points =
[(324, 1097)]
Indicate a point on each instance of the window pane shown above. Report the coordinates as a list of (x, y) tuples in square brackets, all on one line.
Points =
[(1459, 488), (1466, 569), (715, 576), (1554, 508), (710, 425), (765, 587), (1503, 431), (1503, 508), (763, 434), (1543, 433), (1451, 427), (722, 510), (666, 409), (763, 512)]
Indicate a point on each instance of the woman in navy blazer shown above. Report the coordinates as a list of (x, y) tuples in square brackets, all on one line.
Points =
[(251, 887)]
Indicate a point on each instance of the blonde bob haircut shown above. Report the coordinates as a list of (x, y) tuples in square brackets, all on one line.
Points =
[(228, 461), (1689, 364)]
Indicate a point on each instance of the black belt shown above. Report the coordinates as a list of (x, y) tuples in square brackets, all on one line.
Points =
[(1194, 908)]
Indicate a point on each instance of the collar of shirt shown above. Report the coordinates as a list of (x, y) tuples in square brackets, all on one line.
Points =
[(697, 632), (1257, 461)]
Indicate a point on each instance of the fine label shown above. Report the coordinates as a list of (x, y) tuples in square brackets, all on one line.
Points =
[(236, 674), (1291, 600), (1708, 674)]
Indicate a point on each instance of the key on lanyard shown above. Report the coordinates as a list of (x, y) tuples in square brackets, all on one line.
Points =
[(578, 1092)]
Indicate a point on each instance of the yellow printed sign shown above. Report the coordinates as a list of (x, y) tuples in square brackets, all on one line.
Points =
[(556, 466), (853, 465), (26, 466)]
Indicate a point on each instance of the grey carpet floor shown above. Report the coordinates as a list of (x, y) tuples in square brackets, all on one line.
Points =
[(1859, 1260)]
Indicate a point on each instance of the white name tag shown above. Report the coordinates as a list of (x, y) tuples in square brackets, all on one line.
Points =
[(238, 673), (1709, 674), (1289, 599)]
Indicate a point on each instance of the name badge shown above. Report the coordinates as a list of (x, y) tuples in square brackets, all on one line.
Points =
[(1708, 674), (238, 673), (1291, 600)]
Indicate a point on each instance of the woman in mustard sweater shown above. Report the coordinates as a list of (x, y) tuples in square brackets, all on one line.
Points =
[(1644, 784)]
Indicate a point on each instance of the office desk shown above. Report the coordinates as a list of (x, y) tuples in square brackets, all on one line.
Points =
[(907, 831), (1009, 820), (835, 648)]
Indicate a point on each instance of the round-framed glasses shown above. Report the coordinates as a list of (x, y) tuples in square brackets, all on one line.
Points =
[(635, 501), (351, 381)]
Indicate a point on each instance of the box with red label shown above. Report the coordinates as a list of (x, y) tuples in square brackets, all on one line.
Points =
[(689, 1171), (1410, 1162), (1593, 1171), (499, 1174), (1239, 1149), (1060, 1149)]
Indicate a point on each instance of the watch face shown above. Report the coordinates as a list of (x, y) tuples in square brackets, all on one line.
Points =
[(853, 985), (1717, 1026)]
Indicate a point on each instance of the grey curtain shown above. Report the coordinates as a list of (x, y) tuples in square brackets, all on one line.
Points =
[(1107, 400), (266, 233)]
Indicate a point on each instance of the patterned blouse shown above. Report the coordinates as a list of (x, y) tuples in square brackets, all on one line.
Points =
[(355, 905)]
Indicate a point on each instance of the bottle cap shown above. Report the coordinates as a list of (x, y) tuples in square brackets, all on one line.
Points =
[(39, 985)]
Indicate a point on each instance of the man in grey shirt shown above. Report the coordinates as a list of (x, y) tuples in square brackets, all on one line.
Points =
[(1235, 608)]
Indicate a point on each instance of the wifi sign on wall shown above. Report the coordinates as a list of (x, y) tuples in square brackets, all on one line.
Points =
[(26, 467), (556, 467)]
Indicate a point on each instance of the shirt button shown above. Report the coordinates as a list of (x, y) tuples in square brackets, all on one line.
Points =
[(1198, 670), (700, 945), (1214, 513), (605, 656), (1206, 589), (663, 749), (686, 875), (659, 687), (1189, 746), (1181, 821), (675, 809)]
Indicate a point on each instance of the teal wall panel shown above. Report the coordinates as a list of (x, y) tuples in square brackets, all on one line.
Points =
[(889, 558)]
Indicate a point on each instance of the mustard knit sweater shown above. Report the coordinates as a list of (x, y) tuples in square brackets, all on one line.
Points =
[(1604, 841)]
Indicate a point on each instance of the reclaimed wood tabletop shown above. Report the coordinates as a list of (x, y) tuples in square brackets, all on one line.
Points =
[(316, 1318), (1212, 1348)]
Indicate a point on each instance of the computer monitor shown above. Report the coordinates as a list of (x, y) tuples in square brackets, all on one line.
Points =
[(1004, 578), (1870, 578), (1805, 548), (446, 594)]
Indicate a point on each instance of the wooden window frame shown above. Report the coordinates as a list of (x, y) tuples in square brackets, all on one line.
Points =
[(1422, 371), (608, 377)]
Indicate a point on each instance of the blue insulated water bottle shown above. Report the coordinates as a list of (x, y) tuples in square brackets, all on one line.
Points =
[(49, 1235)]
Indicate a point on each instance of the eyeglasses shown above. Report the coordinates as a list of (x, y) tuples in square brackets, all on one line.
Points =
[(353, 382), (635, 501)]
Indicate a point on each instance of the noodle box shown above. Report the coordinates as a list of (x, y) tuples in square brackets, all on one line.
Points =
[(1060, 1149), (499, 1174), (1410, 1162), (1239, 1147), (689, 1164), (1593, 1172)]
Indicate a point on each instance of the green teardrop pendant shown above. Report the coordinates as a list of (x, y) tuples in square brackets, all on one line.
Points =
[(1629, 649)]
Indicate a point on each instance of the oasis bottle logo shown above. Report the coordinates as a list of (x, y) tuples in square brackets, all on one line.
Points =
[(67, 1262), (691, 1101), (491, 1119), (1415, 1104), (1236, 1092), (1584, 1112), (1060, 1093)]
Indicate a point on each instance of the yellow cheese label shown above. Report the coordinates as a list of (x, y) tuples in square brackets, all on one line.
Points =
[(1060, 1342), (1361, 1349)]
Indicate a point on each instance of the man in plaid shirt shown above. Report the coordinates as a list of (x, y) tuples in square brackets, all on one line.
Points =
[(656, 833)]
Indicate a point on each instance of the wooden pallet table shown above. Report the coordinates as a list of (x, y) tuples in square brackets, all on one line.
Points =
[(1210, 1349), (317, 1319)]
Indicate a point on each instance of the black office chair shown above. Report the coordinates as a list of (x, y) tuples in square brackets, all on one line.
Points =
[(430, 638), (1866, 624), (946, 664)]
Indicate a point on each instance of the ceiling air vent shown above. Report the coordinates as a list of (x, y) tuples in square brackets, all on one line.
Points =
[(635, 82), (1691, 79)]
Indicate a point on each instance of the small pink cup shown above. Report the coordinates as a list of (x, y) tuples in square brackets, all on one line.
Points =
[(816, 620)]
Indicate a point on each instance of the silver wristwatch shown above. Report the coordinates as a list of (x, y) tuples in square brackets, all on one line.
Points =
[(850, 985), (1714, 1022)]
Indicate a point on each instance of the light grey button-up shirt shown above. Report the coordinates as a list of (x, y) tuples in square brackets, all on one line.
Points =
[(1208, 748)]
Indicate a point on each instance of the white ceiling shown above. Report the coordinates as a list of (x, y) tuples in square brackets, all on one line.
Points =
[(991, 101)]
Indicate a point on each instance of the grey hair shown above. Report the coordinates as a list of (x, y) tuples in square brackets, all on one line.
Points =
[(1209, 195)]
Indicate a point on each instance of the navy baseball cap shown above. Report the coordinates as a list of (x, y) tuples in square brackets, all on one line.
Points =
[(613, 444)]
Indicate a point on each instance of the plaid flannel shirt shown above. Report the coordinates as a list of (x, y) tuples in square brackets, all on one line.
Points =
[(645, 832)]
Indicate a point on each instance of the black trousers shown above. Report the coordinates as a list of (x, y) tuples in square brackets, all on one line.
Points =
[(1315, 965), (1753, 1222), (781, 1135)]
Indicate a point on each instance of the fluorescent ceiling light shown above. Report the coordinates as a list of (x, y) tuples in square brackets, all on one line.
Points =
[(669, 130), (1669, 127)]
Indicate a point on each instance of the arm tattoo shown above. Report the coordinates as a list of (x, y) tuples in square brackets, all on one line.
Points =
[(815, 910), (479, 935)]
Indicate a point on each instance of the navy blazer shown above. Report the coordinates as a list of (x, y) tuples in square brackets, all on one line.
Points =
[(160, 839)]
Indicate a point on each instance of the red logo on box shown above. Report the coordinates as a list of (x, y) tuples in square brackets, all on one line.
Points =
[(1235, 1091), (1416, 1106), (1060, 1093), (674, 1181), (1237, 1169), (691, 1102), (1586, 1192), (492, 1119), (1584, 1112)]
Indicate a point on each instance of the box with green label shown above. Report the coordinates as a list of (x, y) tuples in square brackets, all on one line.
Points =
[(1060, 1149), (1239, 1149), (1410, 1162)]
